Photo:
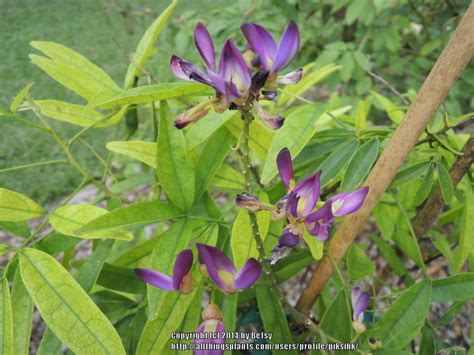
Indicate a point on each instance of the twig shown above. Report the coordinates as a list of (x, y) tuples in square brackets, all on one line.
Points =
[(448, 67), (387, 84)]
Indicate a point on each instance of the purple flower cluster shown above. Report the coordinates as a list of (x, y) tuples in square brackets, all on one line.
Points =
[(299, 204), (213, 263), (238, 79)]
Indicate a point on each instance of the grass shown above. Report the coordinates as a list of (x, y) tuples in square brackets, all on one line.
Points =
[(96, 29)]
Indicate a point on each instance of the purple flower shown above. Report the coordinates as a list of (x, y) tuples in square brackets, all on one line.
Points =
[(212, 323), (270, 57), (223, 272), (181, 279), (360, 302), (319, 222), (231, 79)]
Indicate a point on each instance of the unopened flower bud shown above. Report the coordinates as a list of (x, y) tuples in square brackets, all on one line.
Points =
[(248, 201), (279, 212), (212, 312), (186, 285), (375, 343), (358, 326)]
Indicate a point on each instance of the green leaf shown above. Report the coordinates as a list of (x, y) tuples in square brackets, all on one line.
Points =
[(20, 229), (173, 165), (454, 288), (242, 241), (228, 178), (337, 320), (145, 47), (355, 9), (68, 219), (138, 254), (445, 182), (425, 188), (229, 311), (136, 213), (358, 264), (315, 246), (112, 304), (410, 173), (74, 71), (20, 97), (142, 151), (336, 161), (393, 111), (273, 316), (211, 159), (156, 92), (120, 279), (78, 115), (451, 313), (360, 165), (22, 310), (16, 207), (392, 259), (406, 239), (88, 273), (157, 332), (4, 249), (466, 238), (348, 66), (298, 129), (405, 317), (163, 257), (201, 130), (6, 319), (427, 343), (86, 276), (65, 306)]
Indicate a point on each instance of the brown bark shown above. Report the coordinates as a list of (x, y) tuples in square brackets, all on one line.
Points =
[(429, 213), (444, 74)]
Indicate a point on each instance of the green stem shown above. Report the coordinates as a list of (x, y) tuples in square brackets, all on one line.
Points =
[(297, 316), (32, 165), (72, 160)]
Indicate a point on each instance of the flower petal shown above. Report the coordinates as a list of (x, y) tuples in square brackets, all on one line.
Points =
[(272, 122), (182, 266), (217, 265), (287, 48), (292, 77), (189, 116), (307, 194), (288, 238), (210, 326), (205, 46), (348, 202), (248, 274), (232, 67), (285, 166), (361, 304), (261, 42), (187, 71), (156, 279), (319, 222)]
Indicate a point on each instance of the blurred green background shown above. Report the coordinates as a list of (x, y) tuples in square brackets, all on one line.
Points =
[(397, 40)]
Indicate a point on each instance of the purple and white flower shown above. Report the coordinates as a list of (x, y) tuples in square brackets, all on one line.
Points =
[(223, 272), (212, 323), (180, 281), (272, 57), (360, 302)]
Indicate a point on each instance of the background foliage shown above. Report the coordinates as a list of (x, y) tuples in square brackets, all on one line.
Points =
[(365, 59)]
